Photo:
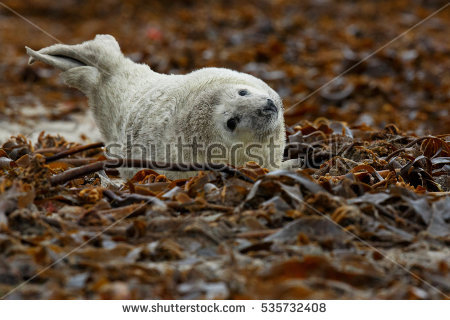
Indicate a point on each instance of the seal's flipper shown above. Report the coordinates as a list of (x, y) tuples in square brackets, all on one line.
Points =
[(102, 53), (82, 63), (61, 62), (83, 78)]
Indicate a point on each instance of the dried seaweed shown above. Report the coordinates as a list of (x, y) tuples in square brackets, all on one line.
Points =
[(366, 216), (218, 236)]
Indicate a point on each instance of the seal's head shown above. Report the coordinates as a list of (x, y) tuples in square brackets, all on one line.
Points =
[(247, 113)]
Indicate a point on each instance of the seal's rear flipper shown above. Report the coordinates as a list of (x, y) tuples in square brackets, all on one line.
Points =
[(83, 78), (102, 53), (61, 62), (82, 63)]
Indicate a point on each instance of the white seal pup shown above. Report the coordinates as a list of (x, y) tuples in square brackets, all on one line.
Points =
[(212, 115)]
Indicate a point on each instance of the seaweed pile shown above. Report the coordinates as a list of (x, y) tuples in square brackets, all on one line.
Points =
[(367, 216)]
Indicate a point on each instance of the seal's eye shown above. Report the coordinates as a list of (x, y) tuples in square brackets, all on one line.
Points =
[(243, 92), (232, 123)]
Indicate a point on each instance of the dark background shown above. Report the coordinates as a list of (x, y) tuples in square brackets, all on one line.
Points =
[(295, 46)]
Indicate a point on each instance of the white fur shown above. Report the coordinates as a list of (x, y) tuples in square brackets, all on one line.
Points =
[(130, 99)]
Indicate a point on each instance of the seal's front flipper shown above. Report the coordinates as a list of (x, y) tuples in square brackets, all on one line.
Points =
[(292, 164), (61, 62)]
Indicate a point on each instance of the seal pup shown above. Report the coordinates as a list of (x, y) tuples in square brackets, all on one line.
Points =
[(212, 115)]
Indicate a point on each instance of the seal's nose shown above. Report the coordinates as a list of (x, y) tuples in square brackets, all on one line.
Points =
[(270, 107)]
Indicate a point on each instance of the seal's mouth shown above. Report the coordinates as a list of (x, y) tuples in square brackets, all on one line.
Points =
[(269, 109), (252, 121)]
